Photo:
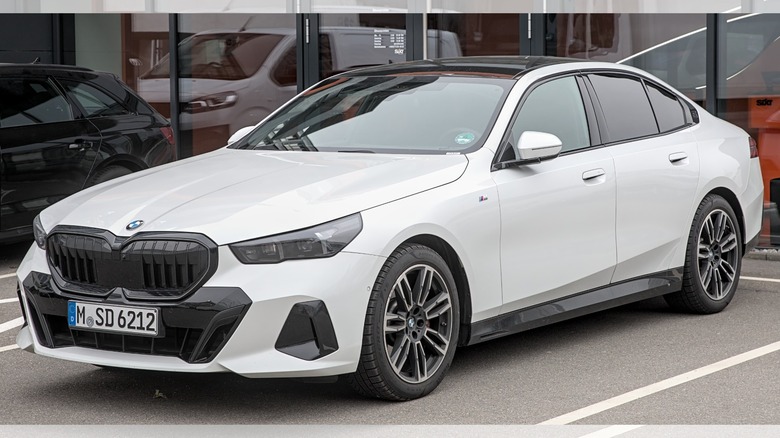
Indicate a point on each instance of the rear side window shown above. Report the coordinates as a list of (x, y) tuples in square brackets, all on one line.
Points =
[(31, 102), (668, 110), (626, 108), (95, 102)]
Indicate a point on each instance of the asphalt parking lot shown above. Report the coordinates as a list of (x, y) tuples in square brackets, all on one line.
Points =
[(638, 364)]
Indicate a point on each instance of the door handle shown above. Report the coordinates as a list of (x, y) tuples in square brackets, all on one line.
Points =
[(593, 173), (677, 157), (80, 145)]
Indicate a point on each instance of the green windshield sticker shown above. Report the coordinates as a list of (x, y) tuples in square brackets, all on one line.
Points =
[(464, 138)]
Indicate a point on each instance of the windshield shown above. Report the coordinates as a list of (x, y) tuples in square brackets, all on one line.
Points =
[(223, 56), (387, 114)]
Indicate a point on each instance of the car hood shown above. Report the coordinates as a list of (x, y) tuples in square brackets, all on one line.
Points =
[(233, 195)]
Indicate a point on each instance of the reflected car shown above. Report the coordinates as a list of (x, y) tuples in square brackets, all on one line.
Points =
[(64, 128), (388, 216), (234, 78)]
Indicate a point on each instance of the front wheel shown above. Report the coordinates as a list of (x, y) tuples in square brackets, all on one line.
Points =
[(713, 259), (411, 327)]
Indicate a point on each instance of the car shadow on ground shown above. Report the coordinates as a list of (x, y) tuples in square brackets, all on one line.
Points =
[(228, 398)]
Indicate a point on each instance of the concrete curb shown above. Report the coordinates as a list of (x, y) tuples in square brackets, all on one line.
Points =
[(764, 254)]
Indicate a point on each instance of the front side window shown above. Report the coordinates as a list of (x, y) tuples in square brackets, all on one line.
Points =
[(386, 114), (31, 102), (95, 102), (555, 107), (626, 109)]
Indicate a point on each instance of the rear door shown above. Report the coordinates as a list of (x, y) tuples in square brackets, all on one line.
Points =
[(45, 150), (657, 168)]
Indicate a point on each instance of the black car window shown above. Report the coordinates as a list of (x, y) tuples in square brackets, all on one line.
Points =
[(668, 110), (95, 103), (286, 71), (31, 102), (626, 108), (555, 107)]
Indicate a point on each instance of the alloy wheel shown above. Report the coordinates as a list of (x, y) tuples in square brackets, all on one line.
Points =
[(717, 254), (418, 323)]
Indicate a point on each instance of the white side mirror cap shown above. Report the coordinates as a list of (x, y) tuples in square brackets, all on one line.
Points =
[(534, 145)]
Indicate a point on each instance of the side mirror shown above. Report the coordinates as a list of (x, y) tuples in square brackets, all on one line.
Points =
[(238, 135), (537, 146)]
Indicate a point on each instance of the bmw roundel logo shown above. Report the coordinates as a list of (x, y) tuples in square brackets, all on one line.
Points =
[(134, 224)]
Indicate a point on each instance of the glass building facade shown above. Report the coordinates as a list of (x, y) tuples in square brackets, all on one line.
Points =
[(214, 73)]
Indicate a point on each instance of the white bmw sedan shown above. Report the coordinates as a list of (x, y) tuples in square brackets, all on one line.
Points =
[(389, 215)]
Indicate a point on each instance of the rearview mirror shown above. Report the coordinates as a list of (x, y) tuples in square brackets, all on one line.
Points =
[(537, 146), (238, 135)]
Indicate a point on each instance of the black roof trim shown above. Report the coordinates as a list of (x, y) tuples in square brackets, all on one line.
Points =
[(511, 67), (6, 68)]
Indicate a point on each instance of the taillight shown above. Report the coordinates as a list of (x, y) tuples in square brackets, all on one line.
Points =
[(753, 148), (167, 131)]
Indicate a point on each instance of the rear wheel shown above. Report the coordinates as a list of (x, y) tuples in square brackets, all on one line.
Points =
[(411, 327), (109, 173), (713, 259)]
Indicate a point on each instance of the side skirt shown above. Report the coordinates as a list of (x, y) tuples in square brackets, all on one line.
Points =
[(591, 301)]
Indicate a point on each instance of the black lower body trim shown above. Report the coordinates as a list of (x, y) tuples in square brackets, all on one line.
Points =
[(595, 300), (194, 329)]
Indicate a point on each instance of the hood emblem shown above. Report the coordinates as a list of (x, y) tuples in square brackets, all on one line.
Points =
[(134, 224)]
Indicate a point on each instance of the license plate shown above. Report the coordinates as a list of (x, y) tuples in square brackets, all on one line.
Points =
[(140, 321)]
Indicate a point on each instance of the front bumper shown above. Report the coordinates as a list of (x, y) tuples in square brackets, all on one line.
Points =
[(246, 319)]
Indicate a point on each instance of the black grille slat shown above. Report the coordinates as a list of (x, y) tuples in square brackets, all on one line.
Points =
[(144, 268)]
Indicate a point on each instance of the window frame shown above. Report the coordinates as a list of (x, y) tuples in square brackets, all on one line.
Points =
[(691, 115), (594, 130), (74, 102), (75, 112)]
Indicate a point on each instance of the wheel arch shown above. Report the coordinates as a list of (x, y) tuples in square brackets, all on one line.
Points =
[(733, 201), (128, 161), (455, 264)]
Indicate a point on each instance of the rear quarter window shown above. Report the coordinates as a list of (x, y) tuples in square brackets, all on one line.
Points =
[(667, 107)]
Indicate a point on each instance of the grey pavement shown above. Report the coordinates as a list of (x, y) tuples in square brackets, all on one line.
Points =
[(523, 379)]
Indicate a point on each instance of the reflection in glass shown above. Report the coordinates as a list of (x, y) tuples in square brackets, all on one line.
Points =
[(669, 46), (350, 41), (234, 70), (452, 35), (749, 96)]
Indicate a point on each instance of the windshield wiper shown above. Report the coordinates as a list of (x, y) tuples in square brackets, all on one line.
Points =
[(361, 151)]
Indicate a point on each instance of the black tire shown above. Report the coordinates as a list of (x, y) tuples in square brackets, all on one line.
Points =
[(419, 326), (713, 259), (108, 173)]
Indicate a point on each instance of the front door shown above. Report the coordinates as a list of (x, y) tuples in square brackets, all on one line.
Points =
[(557, 216)]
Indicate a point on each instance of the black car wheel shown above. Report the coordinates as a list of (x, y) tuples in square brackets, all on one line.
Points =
[(713, 259), (411, 327), (108, 173)]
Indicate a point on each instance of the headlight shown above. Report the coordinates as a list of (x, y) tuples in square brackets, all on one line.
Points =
[(323, 240), (39, 233), (212, 102)]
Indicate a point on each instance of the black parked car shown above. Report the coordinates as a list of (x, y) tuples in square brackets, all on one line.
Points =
[(64, 128)]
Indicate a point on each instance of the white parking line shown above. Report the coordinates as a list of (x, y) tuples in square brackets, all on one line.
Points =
[(7, 275), (671, 382), (770, 280), (9, 300), (8, 348), (4, 327), (611, 431)]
